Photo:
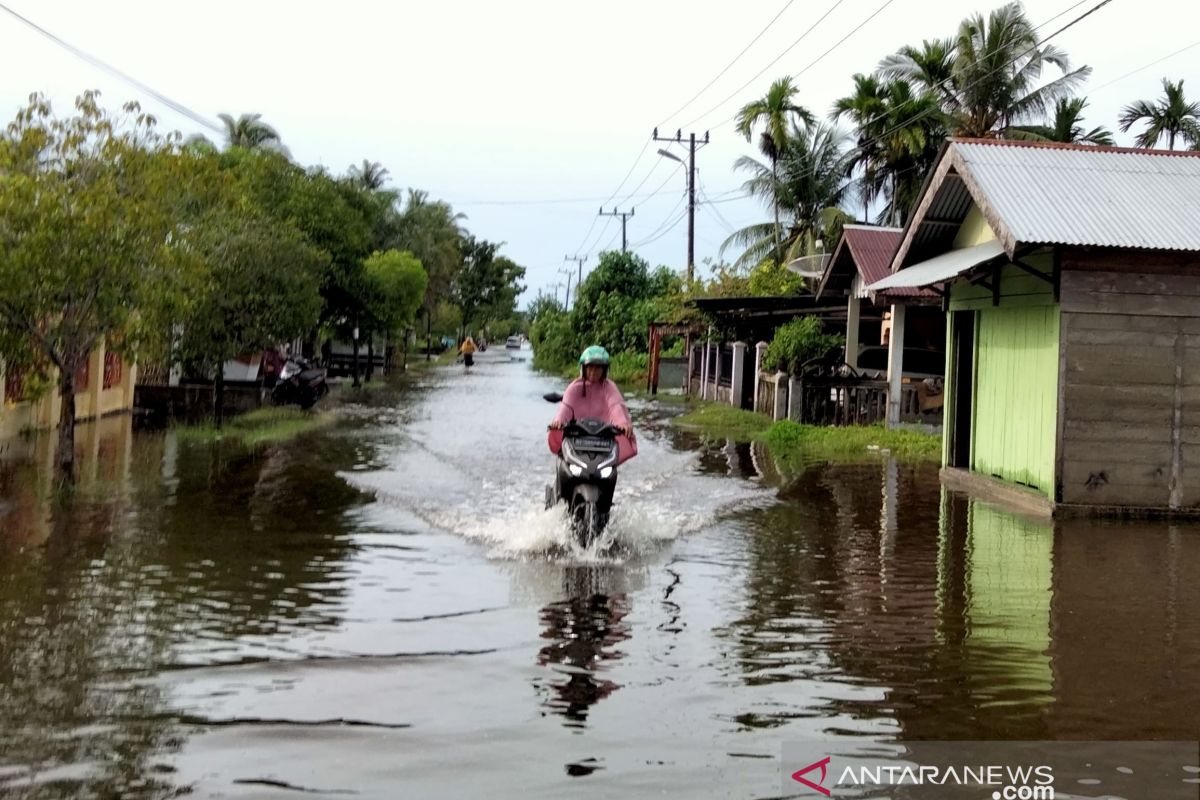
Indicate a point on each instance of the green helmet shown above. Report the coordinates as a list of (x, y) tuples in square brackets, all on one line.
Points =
[(594, 355)]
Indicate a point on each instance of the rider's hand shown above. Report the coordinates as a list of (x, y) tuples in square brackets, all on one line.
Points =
[(555, 426)]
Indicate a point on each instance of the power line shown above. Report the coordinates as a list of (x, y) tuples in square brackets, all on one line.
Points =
[(774, 61), (663, 233), (745, 49), (1145, 67), (95, 61)]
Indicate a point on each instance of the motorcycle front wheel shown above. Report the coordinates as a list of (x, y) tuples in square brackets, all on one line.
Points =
[(589, 524)]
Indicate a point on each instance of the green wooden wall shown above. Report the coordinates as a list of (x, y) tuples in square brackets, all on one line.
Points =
[(1015, 416)]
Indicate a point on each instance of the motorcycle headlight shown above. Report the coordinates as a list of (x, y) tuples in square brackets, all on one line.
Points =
[(575, 469), (605, 472)]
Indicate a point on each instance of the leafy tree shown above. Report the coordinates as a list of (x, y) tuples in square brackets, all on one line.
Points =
[(92, 245), (261, 288), (487, 285), (249, 132), (395, 286), (771, 279), (432, 232), (1171, 116), (799, 341)]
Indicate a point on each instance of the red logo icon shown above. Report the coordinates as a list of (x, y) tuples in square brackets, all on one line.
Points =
[(798, 776)]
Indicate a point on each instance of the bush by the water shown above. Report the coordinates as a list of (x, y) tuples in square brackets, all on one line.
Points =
[(799, 341)]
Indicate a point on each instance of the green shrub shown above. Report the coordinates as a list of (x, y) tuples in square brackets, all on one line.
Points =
[(799, 341)]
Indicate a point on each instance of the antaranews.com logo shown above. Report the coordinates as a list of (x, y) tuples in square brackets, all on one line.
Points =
[(1011, 783), (1000, 770)]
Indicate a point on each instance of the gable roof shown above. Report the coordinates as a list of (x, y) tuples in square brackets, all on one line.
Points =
[(1034, 193), (865, 250)]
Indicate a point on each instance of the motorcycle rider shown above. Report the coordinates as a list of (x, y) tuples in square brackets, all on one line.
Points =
[(468, 351), (593, 395)]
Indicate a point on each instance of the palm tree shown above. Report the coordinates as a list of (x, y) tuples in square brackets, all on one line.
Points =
[(248, 131), (1171, 116), (988, 76), (998, 63), (777, 112), (900, 131), (1067, 126), (370, 175), (807, 183)]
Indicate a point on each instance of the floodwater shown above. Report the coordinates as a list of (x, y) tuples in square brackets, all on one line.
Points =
[(384, 609)]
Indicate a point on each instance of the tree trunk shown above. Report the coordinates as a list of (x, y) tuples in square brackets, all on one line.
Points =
[(1171, 140), (428, 334), (775, 203), (219, 396), (65, 455), (370, 356), (354, 369)]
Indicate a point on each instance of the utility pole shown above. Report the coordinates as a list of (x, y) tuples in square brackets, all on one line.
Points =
[(579, 259), (691, 190), (567, 272), (624, 215)]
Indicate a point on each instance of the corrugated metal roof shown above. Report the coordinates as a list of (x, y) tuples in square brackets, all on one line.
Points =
[(872, 249), (940, 269), (1079, 195)]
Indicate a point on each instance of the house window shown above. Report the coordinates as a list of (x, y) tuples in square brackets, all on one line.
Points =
[(112, 370)]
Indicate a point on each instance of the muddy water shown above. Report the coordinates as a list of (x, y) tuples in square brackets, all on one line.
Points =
[(384, 609)]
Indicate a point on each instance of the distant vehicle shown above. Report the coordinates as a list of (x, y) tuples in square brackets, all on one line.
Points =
[(513, 343), (299, 384)]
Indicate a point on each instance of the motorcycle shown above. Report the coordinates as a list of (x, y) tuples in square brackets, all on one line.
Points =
[(299, 384), (585, 474)]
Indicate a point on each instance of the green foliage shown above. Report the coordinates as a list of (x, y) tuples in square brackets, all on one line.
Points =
[(258, 428), (394, 287), (799, 341), (555, 340), (770, 279), (261, 288), (487, 285), (92, 240), (794, 446), (629, 367)]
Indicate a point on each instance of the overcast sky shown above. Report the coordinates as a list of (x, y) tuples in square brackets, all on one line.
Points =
[(527, 115)]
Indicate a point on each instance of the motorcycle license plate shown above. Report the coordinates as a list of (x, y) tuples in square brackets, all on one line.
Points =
[(592, 443)]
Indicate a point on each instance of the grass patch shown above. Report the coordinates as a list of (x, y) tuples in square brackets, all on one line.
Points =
[(794, 445), (260, 427), (725, 422)]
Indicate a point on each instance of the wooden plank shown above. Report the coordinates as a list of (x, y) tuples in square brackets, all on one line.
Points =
[(1115, 338), (1125, 412), (1097, 472), (1126, 322), (1096, 372), (1109, 431), (1117, 452), (1107, 259), (1132, 283), (1140, 485), (1144, 304)]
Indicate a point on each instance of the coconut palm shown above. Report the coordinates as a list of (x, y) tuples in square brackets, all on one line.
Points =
[(995, 72), (807, 183), (1170, 116), (248, 131), (370, 175), (777, 112), (900, 131), (1067, 126)]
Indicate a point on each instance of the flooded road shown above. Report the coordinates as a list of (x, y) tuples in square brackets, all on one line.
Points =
[(383, 609)]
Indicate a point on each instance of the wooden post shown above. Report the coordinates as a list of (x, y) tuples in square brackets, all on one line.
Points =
[(895, 365), (737, 381), (853, 315), (759, 350), (704, 372)]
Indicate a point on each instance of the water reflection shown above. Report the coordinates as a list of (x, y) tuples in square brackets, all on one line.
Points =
[(165, 554), (583, 632)]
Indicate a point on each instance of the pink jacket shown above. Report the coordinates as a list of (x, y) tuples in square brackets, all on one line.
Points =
[(599, 401)]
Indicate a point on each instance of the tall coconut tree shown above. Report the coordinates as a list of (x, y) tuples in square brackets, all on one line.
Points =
[(900, 130), (1171, 116), (777, 112), (807, 183), (370, 175), (249, 131)]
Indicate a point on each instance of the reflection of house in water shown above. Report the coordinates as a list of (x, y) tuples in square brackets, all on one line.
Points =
[(954, 619)]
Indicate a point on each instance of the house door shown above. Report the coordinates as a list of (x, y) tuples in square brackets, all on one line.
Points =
[(962, 382)]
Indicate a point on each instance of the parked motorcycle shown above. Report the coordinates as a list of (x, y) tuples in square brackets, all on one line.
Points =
[(299, 383), (585, 475)]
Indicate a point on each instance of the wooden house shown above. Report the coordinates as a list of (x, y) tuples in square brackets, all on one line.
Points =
[(1071, 278)]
